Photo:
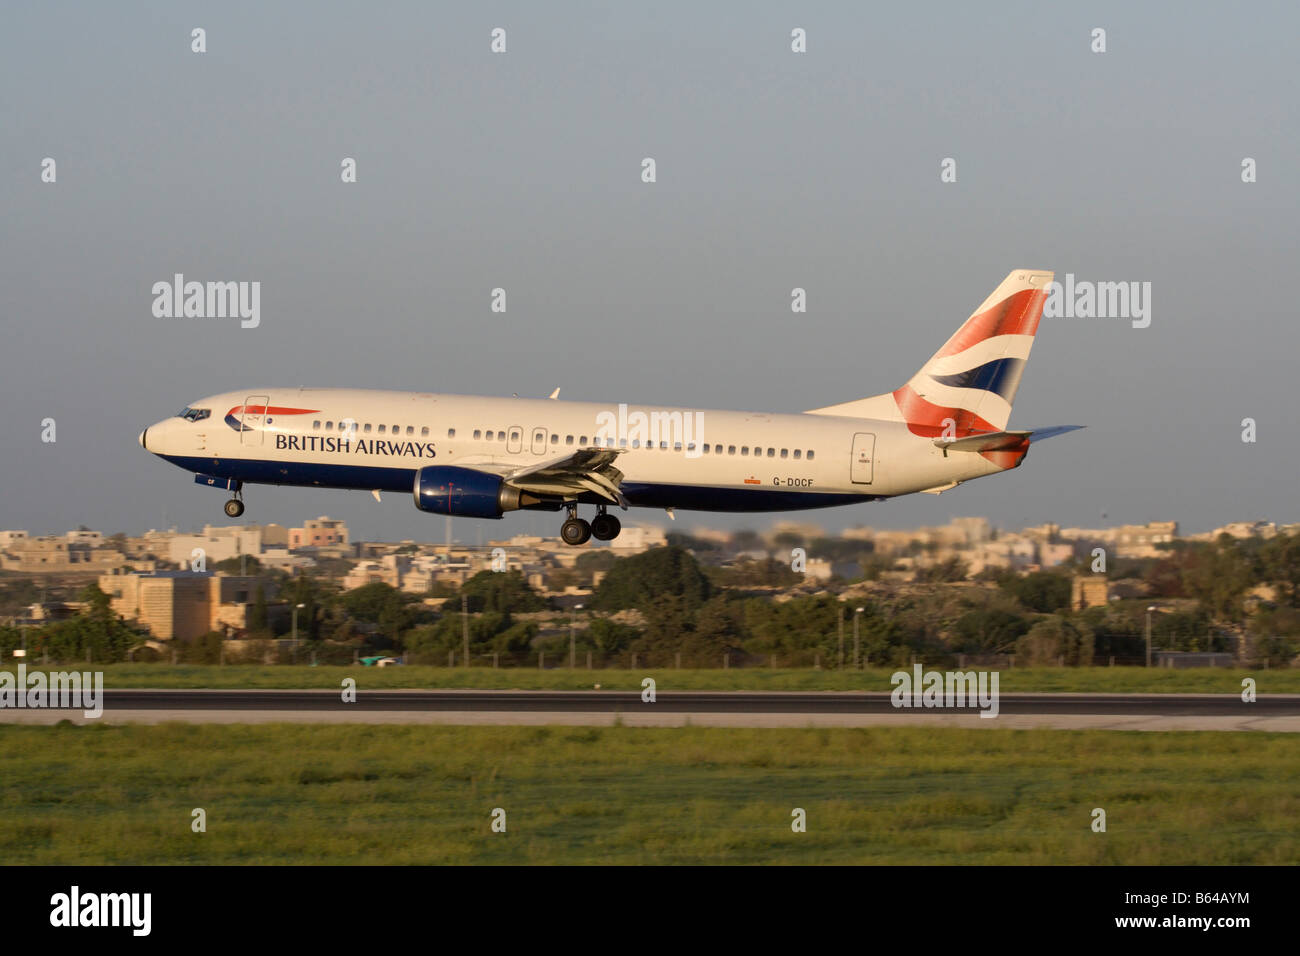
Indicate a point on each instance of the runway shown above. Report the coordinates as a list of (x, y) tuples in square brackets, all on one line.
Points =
[(680, 708)]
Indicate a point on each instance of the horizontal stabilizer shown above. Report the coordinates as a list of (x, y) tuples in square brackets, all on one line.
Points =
[(996, 441)]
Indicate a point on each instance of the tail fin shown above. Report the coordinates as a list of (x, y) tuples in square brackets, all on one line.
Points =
[(971, 381)]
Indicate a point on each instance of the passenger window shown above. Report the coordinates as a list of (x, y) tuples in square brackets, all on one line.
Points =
[(731, 449), (622, 443), (771, 453), (663, 445), (703, 448), (677, 446), (382, 430), (366, 429), (785, 453), (810, 456), (329, 426), (478, 433), (717, 449), (568, 439), (501, 436), (555, 439), (744, 450), (636, 443), (410, 429), (798, 454), (424, 432), (514, 436), (316, 425), (397, 429), (451, 432)]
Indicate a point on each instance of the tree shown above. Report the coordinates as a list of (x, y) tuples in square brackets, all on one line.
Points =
[(1218, 576), (504, 591), (1279, 564), (257, 616), (239, 564), (988, 631), (640, 580), (1054, 639), (953, 569), (1043, 591)]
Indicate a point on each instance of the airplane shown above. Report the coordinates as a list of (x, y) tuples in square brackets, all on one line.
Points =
[(481, 457)]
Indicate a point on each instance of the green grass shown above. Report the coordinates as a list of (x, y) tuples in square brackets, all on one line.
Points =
[(424, 794), (1062, 679)]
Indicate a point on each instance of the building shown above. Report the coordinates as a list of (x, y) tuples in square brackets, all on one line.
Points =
[(55, 554), (216, 543), (1128, 540), (183, 605), (1089, 590), (322, 532), (634, 539)]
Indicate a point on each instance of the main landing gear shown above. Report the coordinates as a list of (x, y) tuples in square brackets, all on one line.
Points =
[(603, 527), (235, 506)]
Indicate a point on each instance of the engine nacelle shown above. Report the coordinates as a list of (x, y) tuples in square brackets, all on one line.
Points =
[(464, 492)]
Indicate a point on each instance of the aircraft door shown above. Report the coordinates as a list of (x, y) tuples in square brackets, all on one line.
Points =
[(252, 420), (539, 441), (515, 441), (864, 451)]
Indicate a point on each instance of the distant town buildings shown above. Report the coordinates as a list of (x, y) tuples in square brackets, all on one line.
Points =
[(168, 580)]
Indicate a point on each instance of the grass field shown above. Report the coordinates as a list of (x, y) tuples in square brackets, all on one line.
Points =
[(421, 794), (1062, 679)]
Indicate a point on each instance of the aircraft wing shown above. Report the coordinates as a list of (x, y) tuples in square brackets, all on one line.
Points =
[(588, 469)]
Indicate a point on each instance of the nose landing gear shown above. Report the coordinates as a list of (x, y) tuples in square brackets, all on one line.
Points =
[(235, 506)]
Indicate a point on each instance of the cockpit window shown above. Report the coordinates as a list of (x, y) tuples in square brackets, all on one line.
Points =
[(194, 414)]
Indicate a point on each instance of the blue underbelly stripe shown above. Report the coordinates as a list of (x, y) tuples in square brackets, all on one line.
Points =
[(639, 493)]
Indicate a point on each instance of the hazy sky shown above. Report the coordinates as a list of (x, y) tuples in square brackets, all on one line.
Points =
[(775, 170)]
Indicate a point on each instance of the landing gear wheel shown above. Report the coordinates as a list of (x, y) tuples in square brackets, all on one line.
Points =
[(234, 507), (575, 531), (605, 527)]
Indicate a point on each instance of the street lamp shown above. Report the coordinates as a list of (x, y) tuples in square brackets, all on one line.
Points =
[(464, 625), (857, 616), (840, 663), (573, 647), (296, 607), (1149, 610)]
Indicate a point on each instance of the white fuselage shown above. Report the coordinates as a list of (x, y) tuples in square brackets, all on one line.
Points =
[(708, 460)]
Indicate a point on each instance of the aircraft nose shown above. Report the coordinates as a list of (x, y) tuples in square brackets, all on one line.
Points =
[(142, 436)]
